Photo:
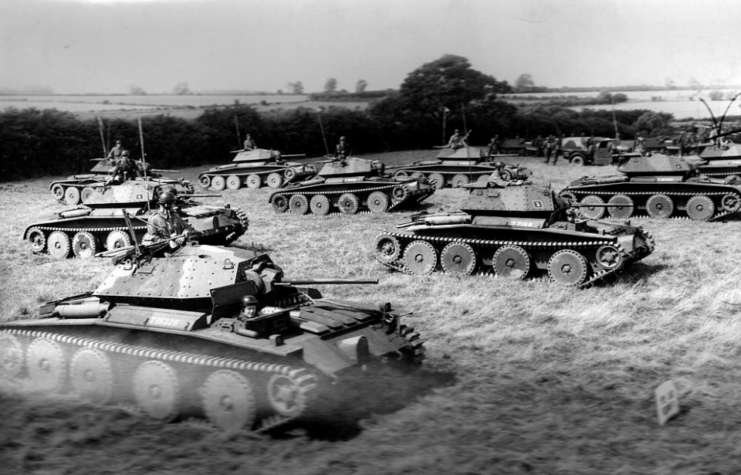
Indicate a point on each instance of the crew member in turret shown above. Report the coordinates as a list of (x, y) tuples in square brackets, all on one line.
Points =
[(343, 150), (166, 224), (125, 168), (115, 153), (249, 143), (457, 140)]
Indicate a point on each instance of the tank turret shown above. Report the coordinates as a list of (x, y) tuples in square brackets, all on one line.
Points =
[(208, 331)]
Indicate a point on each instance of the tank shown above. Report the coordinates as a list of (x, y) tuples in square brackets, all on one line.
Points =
[(208, 332), (76, 189), (351, 185), (101, 224), (514, 232), (254, 168), (659, 186), (722, 161), (459, 167)]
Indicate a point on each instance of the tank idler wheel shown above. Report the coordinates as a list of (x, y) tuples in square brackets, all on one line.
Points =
[(58, 245), (72, 196), (280, 203), (625, 207), (378, 202), (420, 257), (46, 365), (254, 182), (438, 179), (609, 257), (218, 183), (11, 357), (156, 390), (320, 205), (568, 267), (205, 181), (91, 375), (511, 262), (87, 192), (700, 208), (592, 212), (58, 192), (349, 203), (228, 401), (287, 396), (458, 258), (459, 180), (37, 240), (84, 245), (388, 249), (403, 174), (116, 240), (275, 180), (298, 204), (659, 206), (401, 193), (730, 202), (233, 182)]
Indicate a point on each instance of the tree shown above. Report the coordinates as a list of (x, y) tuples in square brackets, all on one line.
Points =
[(181, 89), (670, 83), (716, 95), (524, 83), (695, 84), (330, 86), (619, 97), (655, 123), (135, 90), (296, 87), (361, 85)]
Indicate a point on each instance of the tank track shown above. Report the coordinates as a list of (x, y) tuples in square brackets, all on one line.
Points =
[(719, 213), (394, 203), (626, 257), (303, 381)]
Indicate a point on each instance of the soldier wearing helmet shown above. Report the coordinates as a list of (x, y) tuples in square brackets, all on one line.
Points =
[(343, 149), (249, 143), (166, 223), (115, 153), (125, 168), (457, 140)]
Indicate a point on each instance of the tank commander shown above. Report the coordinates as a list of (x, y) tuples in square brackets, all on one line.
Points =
[(115, 152), (640, 146), (343, 150), (166, 224), (457, 140), (496, 177), (125, 168), (249, 143)]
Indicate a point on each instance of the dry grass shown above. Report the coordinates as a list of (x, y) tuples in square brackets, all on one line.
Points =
[(520, 377)]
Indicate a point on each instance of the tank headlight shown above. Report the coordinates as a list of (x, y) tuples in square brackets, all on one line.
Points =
[(356, 348)]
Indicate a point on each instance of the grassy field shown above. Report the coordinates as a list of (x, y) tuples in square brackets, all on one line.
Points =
[(520, 377)]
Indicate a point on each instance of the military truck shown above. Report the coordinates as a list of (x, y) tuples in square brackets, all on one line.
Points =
[(590, 150)]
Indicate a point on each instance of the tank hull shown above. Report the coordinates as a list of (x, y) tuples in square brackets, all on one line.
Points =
[(454, 174), (254, 175), (78, 188)]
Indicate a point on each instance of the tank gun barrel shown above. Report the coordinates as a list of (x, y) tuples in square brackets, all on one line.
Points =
[(199, 195), (162, 170), (290, 282), (98, 159)]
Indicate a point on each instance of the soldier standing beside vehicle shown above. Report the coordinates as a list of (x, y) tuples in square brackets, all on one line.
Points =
[(550, 149), (166, 224), (249, 143), (493, 146)]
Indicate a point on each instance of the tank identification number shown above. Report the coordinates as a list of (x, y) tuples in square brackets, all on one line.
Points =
[(665, 179), (165, 322), (526, 224)]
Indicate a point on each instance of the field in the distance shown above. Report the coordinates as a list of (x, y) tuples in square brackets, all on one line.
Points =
[(521, 377)]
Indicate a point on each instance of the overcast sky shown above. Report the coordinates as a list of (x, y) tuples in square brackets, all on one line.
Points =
[(79, 46)]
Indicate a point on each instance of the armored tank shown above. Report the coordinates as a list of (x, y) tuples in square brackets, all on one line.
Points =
[(722, 161), (457, 167), (208, 332), (254, 168), (76, 189), (660, 186), (514, 231), (101, 223), (351, 185)]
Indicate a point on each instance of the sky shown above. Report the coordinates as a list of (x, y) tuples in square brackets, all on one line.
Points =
[(106, 46)]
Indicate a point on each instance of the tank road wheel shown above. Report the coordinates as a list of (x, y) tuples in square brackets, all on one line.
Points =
[(91, 375), (511, 262), (320, 205), (608, 257), (218, 183), (228, 401), (233, 182), (87, 192), (205, 181), (46, 365), (459, 180), (349, 203), (275, 180), (378, 202), (58, 192), (11, 357), (700, 208), (568, 267), (659, 206), (592, 212), (458, 258), (37, 240), (387, 248), (58, 245), (624, 210), (731, 202), (280, 203), (298, 204), (254, 181), (84, 245), (156, 390), (72, 196), (403, 174), (117, 240), (286, 396), (439, 180), (420, 257)]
